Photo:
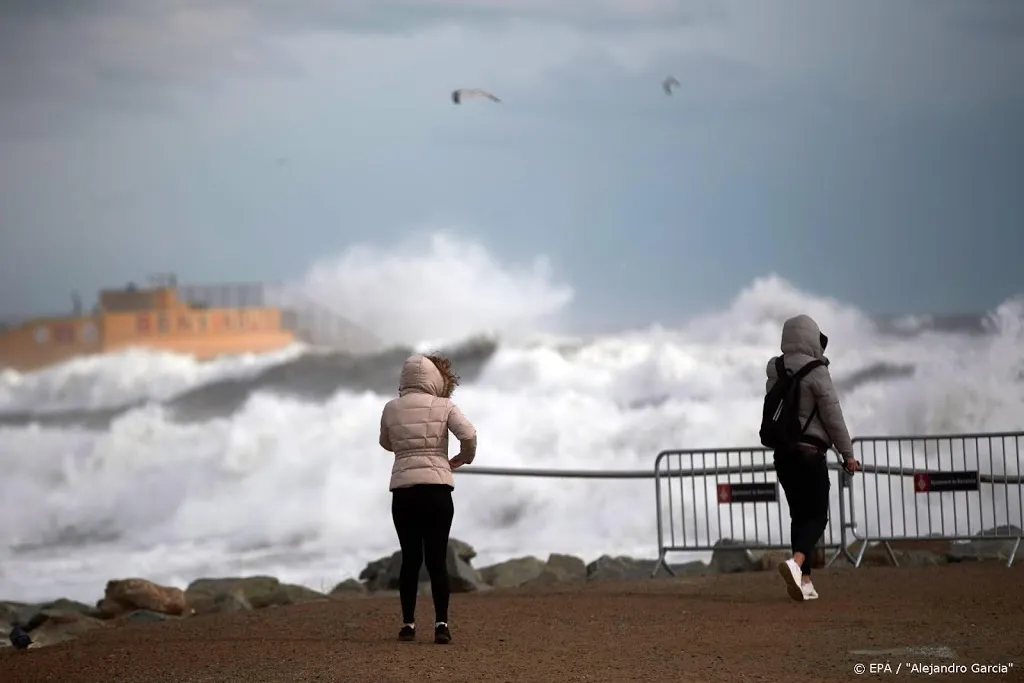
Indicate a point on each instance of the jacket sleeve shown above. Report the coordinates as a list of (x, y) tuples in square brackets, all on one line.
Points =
[(829, 410), (772, 375), (385, 437), (465, 432)]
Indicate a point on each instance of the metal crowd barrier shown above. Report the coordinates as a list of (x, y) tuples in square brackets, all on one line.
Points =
[(730, 497), (953, 487), (961, 487), (957, 487)]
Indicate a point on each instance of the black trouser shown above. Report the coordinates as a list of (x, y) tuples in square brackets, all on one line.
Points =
[(804, 479), (423, 519)]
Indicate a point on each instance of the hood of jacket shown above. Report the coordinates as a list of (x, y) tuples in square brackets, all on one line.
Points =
[(420, 375), (800, 334)]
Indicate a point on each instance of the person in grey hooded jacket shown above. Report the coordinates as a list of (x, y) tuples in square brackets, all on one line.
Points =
[(802, 471)]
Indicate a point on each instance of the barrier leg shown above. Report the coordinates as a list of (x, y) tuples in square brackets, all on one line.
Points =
[(846, 521), (841, 550), (860, 552), (1013, 553), (662, 563), (891, 554)]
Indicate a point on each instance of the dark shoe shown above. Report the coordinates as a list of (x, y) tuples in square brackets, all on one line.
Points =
[(407, 634), (442, 636)]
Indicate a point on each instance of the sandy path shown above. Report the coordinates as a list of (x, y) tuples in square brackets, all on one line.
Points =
[(739, 627)]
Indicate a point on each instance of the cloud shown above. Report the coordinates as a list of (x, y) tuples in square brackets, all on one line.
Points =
[(125, 124), (59, 60), (400, 15), (66, 69), (55, 53), (118, 56)]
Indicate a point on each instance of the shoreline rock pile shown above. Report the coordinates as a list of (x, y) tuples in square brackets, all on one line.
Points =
[(140, 600)]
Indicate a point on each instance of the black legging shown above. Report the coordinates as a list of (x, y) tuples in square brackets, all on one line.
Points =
[(804, 479), (423, 519)]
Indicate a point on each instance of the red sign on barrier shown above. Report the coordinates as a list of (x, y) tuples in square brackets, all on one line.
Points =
[(724, 493), (937, 482), (757, 492)]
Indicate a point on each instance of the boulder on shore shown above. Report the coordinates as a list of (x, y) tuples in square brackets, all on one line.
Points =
[(937, 550), (987, 549), (383, 574), (512, 573), (128, 595), (619, 568), (52, 626), (560, 568), (49, 622), (729, 556), (139, 600), (348, 588), (232, 594), (622, 568), (30, 615)]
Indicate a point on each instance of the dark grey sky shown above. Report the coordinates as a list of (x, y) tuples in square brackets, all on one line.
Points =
[(872, 150)]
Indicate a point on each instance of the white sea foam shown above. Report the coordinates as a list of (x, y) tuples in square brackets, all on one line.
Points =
[(125, 377), (299, 490)]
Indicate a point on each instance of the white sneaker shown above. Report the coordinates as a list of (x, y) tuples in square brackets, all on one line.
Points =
[(808, 591), (790, 573)]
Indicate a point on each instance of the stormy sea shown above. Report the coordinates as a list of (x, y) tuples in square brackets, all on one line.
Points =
[(150, 464)]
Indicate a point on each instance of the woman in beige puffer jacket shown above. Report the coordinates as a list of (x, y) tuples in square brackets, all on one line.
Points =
[(415, 428)]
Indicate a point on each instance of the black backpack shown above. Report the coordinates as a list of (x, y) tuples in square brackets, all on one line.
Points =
[(780, 418)]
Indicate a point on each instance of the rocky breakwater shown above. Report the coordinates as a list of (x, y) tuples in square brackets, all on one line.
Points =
[(136, 600)]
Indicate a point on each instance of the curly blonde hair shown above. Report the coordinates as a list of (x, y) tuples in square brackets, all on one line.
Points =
[(444, 366)]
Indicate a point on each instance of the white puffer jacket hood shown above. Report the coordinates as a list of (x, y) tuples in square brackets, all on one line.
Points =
[(419, 374), (415, 427)]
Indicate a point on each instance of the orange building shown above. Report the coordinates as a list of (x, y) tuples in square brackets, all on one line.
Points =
[(154, 318)]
